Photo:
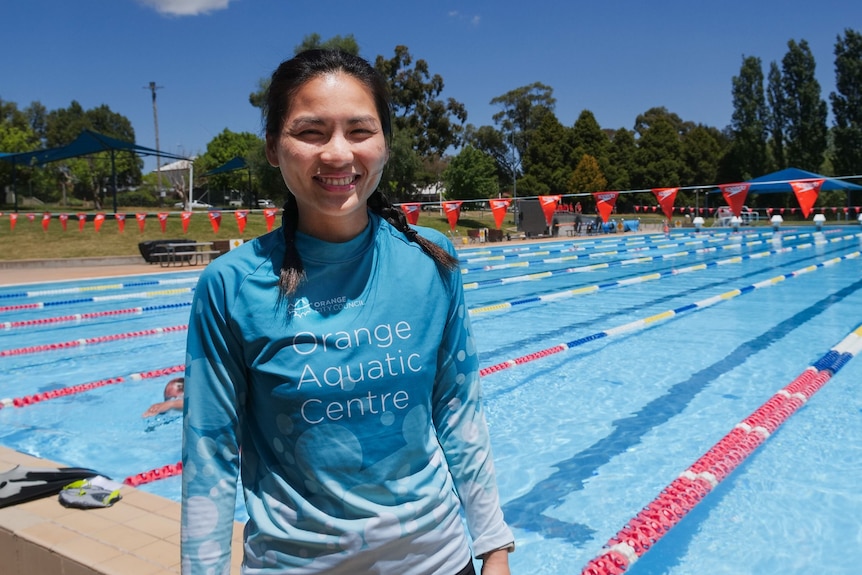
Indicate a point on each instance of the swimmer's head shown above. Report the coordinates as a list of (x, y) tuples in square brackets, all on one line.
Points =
[(175, 388)]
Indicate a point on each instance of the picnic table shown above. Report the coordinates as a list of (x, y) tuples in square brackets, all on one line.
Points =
[(192, 253)]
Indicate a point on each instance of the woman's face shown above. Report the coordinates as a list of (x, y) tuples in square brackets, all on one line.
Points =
[(331, 153)]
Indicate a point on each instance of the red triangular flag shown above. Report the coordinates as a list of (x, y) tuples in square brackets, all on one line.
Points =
[(121, 222), (215, 219), (241, 220), (269, 216), (142, 221), (549, 206), (411, 211), (453, 212), (665, 197), (605, 202), (187, 217), (499, 209), (806, 194), (46, 219)]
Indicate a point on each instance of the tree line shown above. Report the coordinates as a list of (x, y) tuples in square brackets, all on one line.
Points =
[(779, 120)]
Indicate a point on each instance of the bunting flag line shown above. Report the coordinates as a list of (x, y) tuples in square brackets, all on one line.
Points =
[(605, 202)]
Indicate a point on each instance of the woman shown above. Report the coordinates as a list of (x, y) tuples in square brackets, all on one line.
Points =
[(336, 355)]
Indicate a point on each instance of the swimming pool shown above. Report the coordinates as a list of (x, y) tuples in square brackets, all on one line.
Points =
[(610, 365)]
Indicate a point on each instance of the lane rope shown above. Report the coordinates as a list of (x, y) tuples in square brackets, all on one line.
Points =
[(695, 483), (97, 299), (508, 305), (103, 287), (91, 315), (80, 388), (91, 340), (665, 315)]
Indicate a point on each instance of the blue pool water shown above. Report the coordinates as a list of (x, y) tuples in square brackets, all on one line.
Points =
[(655, 368)]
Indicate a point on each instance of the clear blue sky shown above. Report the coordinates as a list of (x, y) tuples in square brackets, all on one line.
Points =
[(617, 58)]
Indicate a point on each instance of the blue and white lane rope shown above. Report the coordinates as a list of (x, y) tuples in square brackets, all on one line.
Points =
[(101, 287), (654, 319), (509, 305)]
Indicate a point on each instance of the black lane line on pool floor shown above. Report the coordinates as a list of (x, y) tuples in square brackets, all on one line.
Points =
[(526, 512)]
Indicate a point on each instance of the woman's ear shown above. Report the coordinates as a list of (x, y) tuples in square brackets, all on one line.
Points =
[(271, 153)]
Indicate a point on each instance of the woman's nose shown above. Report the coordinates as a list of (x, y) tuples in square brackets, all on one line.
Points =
[(337, 150)]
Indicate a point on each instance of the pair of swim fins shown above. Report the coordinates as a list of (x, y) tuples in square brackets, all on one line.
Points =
[(21, 484)]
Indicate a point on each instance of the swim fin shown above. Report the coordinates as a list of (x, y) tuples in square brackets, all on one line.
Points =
[(21, 484)]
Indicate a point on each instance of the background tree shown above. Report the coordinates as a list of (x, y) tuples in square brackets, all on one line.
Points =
[(621, 158), (310, 42), (403, 169), (777, 119), (847, 105), (522, 113), (658, 158), (492, 142), (804, 110), (748, 123), (471, 175), (224, 147), (547, 162), (587, 177), (92, 176), (433, 124), (587, 137)]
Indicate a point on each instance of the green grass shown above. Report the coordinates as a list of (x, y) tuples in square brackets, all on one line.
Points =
[(29, 241)]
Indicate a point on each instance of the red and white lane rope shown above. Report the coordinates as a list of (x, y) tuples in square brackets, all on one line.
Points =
[(91, 340), (73, 389), (696, 482)]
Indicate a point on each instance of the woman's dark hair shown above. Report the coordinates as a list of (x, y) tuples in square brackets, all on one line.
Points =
[(286, 81)]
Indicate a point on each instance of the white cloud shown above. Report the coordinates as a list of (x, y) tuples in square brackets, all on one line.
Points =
[(186, 7), (473, 20)]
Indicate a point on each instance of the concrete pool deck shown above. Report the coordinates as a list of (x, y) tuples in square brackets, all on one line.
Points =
[(139, 535)]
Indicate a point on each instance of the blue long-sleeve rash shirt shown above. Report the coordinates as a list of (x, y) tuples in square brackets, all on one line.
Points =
[(355, 405)]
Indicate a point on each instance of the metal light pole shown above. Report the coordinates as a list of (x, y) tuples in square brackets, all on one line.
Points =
[(153, 89)]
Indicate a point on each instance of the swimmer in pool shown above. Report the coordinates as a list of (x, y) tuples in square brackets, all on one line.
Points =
[(174, 392)]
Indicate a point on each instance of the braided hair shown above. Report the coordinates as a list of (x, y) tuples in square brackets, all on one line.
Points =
[(286, 81)]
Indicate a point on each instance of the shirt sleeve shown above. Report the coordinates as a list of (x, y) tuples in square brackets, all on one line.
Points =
[(463, 432), (215, 386)]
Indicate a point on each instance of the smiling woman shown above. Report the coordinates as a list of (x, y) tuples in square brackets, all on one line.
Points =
[(362, 445)]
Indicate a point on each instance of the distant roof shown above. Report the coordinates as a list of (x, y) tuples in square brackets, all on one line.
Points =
[(780, 182), (235, 163), (87, 143)]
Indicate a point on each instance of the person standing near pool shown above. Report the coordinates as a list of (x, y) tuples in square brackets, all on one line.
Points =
[(336, 355)]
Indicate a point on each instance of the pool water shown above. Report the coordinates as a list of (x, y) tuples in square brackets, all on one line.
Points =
[(610, 365)]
